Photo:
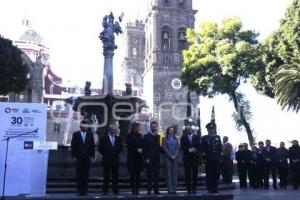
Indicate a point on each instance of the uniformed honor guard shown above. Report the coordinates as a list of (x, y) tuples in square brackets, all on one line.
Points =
[(211, 153)]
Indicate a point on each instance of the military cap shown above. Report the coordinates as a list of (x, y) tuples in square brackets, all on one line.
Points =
[(211, 125)]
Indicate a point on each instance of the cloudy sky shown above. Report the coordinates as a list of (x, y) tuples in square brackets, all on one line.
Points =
[(71, 29)]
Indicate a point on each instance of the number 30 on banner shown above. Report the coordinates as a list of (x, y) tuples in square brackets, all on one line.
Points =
[(16, 120)]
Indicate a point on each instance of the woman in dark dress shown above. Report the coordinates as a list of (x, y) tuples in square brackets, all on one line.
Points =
[(134, 156)]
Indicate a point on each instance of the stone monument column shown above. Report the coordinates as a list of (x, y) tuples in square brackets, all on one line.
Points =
[(108, 81), (107, 37)]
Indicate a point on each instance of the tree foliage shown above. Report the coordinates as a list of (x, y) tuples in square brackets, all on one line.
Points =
[(281, 47), (218, 60), (287, 86), (13, 73)]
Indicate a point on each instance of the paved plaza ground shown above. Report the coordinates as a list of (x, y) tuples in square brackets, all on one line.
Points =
[(238, 194), (261, 194)]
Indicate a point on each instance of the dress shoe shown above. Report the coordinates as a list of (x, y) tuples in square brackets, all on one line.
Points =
[(194, 192), (157, 192)]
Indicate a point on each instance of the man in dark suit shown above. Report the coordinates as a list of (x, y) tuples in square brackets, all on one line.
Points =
[(110, 146), (190, 145), (260, 165), (294, 156), (283, 155), (151, 150), (83, 151), (242, 160), (269, 155), (211, 152)]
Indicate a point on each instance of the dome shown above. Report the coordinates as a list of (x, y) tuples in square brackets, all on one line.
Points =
[(31, 36)]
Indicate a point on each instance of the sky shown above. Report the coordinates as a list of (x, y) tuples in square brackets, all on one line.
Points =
[(70, 29)]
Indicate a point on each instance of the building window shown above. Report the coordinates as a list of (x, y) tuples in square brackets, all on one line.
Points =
[(51, 89), (182, 43), (180, 3), (166, 40), (134, 52), (56, 127)]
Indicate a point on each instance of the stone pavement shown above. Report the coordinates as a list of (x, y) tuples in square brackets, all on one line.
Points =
[(261, 194), (245, 194)]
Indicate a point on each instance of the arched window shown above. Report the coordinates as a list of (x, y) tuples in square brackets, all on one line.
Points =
[(180, 3), (134, 52), (166, 39), (182, 43)]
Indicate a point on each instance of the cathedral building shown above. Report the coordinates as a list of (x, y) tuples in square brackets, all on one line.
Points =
[(154, 53)]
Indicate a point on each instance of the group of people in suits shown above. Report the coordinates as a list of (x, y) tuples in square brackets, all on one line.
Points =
[(144, 152), (259, 162)]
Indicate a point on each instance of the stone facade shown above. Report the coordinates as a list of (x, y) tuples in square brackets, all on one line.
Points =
[(164, 33)]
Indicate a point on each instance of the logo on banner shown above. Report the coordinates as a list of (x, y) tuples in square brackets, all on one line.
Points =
[(9, 110), (28, 144)]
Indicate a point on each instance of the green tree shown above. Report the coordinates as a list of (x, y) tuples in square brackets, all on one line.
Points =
[(281, 47), (13, 73), (218, 60), (287, 86)]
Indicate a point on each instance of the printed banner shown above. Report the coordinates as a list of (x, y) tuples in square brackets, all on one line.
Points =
[(26, 171)]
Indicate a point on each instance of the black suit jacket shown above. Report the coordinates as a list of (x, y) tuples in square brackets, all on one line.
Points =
[(186, 144), (271, 154), (109, 152), (80, 149), (151, 147)]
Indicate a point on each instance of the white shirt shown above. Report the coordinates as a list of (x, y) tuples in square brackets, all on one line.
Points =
[(83, 135)]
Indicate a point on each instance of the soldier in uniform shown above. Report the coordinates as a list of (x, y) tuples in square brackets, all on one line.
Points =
[(282, 155), (211, 152), (294, 155)]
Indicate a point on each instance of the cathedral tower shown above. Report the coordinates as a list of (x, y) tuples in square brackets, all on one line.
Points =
[(165, 26)]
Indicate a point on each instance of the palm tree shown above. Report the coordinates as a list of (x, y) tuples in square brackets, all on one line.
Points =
[(287, 86)]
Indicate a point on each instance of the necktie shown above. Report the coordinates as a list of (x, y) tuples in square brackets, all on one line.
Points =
[(113, 140), (190, 138)]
